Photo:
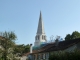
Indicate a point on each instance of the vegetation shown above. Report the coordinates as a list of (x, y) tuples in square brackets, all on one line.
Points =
[(7, 43), (8, 47), (74, 35), (22, 49), (65, 55)]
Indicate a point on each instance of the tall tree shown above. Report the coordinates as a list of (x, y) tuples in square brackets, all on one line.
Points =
[(8, 42), (74, 35), (68, 37)]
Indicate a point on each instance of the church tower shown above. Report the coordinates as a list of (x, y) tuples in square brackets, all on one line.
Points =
[(40, 37)]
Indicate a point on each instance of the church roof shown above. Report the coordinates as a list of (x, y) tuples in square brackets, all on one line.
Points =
[(40, 29)]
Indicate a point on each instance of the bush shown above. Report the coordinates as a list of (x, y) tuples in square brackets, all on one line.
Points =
[(65, 56)]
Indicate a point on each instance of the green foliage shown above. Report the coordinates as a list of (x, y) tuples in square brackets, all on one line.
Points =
[(7, 43), (68, 37), (74, 35), (65, 56), (9, 48), (22, 49)]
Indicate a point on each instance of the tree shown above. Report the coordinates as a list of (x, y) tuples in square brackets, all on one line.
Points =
[(74, 35), (27, 48), (7, 43), (64, 55), (68, 37), (21, 49)]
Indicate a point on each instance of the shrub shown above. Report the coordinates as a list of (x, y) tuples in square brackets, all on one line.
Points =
[(65, 56)]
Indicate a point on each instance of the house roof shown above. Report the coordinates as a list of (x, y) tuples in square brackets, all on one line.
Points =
[(61, 46)]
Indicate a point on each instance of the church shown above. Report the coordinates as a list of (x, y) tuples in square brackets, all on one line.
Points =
[(40, 36), (42, 50)]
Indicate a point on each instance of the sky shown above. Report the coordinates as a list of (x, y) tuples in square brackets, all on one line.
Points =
[(60, 17)]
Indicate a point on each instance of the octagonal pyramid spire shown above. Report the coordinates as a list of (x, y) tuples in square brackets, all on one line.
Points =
[(40, 25)]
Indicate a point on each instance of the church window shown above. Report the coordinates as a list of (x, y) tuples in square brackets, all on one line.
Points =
[(42, 37), (38, 37)]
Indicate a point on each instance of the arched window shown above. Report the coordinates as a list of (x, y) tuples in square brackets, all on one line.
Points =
[(38, 37), (42, 37)]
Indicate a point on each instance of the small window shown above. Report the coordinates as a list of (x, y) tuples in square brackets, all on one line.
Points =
[(41, 56)]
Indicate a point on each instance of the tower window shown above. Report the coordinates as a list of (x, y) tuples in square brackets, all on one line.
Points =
[(38, 37), (42, 37)]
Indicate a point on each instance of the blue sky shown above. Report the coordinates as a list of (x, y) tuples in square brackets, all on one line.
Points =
[(21, 16)]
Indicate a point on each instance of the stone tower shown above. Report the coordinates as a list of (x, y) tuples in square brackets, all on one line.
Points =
[(40, 37)]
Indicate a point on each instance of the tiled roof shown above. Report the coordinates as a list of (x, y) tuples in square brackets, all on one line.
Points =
[(61, 46), (26, 54)]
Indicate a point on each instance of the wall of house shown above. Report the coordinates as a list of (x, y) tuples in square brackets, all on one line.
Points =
[(40, 56), (45, 56), (71, 48), (78, 46), (23, 58)]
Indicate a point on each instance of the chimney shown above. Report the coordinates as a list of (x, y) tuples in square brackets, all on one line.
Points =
[(30, 48)]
